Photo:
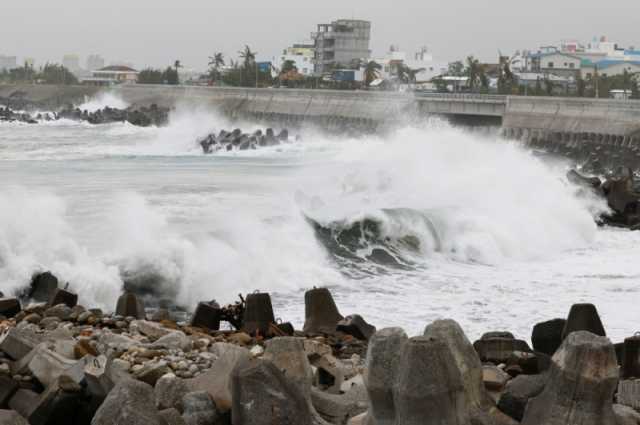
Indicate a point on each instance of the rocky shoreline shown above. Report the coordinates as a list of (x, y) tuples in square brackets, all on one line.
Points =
[(141, 117), (237, 140), (61, 363)]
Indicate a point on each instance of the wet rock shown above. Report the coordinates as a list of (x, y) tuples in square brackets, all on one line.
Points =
[(98, 380), (518, 392), (129, 305), (42, 287), (62, 296), (429, 385), (316, 349), (381, 372), (526, 361), (356, 326), (240, 338), (84, 348), (583, 317), (9, 307), (33, 318), (494, 378), (258, 314), (207, 316), (24, 402), (547, 336), (199, 409), (497, 334), (262, 395), (630, 358), (499, 350), (217, 380), (339, 408), (11, 417), (130, 402), (331, 373), (321, 313), (169, 391), (582, 380)]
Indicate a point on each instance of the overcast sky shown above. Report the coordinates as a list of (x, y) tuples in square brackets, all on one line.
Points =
[(156, 32)]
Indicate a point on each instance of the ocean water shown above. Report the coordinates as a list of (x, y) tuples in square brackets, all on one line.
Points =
[(422, 223)]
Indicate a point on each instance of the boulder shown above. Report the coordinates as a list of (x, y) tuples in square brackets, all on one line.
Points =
[(356, 326), (217, 380), (330, 373), (499, 350), (262, 395), (207, 316), (24, 402), (381, 370), (171, 417), (62, 296), (169, 391), (176, 340), (583, 317), (130, 402), (630, 358), (42, 286), (429, 385), (60, 311), (494, 378), (199, 409), (152, 371), (547, 336), (8, 388), (9, 307), (321, 313), (11, 417), (129, 305), (518, 392), (153, 330), (258, 314), (99, 381), (465, 358), (582, 379)]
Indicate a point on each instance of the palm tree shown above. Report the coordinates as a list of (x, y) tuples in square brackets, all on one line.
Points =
[(177, 65), (216, 62), (475, 73), (371, 72), (249, 59)]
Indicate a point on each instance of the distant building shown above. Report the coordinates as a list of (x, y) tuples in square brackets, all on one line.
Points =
[(421, 61), (609, 67), (112, 75), (556, 63), (341, 44), (302, 55), (8, 62), (72, 63), (95, 62)]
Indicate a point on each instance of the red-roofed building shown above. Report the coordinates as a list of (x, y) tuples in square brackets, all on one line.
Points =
[(115, 74)]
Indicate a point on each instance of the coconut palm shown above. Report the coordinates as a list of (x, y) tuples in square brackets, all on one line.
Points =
[(217, 60), (371, 72), (248, 56), (475, 73)]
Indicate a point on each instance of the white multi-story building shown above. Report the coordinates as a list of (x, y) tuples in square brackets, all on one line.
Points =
[(341, 44), (421, 61), (301, 54), (8, 62)]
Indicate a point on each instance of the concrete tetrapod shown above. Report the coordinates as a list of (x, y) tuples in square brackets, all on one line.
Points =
[(582, 379), (321, 314), (429, 389), (262, 395), (288, 355), (381, 372), (465, 357), (583, 317)]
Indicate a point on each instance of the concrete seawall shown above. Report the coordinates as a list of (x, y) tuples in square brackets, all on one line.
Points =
[(526, 118)]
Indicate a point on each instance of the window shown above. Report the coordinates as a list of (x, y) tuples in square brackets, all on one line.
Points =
[(550, 65), (572, 65)]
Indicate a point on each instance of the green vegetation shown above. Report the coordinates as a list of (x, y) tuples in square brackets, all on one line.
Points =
[(371, 72), (157, 76), (48, 74)]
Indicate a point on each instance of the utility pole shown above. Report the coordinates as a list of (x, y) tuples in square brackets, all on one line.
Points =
[(597, 81)]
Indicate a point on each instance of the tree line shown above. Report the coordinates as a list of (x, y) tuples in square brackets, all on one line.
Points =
[(50, 73)]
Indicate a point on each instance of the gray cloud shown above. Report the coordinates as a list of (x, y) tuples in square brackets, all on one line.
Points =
[(152, 32)]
